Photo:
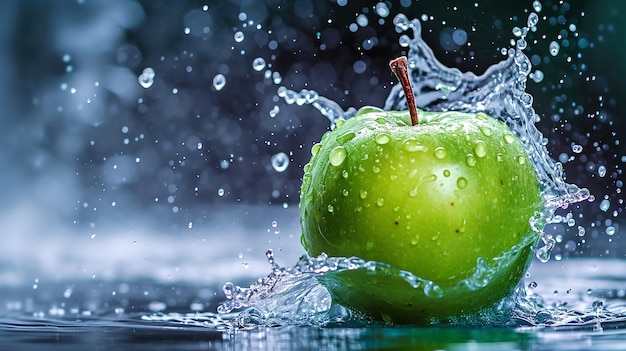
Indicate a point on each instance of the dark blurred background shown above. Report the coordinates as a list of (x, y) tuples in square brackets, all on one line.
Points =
[(82, 141)]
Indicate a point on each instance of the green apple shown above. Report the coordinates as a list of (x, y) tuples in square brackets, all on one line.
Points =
[(448, 199)]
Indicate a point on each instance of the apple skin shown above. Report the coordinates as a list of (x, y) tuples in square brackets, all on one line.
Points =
[(435, 200)]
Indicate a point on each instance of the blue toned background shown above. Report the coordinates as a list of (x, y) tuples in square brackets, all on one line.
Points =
[(104, 177)]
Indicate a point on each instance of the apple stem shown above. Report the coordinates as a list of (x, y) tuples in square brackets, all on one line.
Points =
[(400, 68)]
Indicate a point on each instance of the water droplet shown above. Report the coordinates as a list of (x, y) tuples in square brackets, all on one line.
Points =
[(537, 5), (446, 173), (428, 178), (482, 116), (381, 9), (239, 36), (404, 40), (604, 205), (345, 137), (577, 148), (554, 48), (521, 159), (470, 160), (461, 183), (382, 139), (509, 138), (344, 174), (415, 240), (413, 192), (315, 149), (412, 145), (380, 202), (401, 22), (381, 120), (274, 224), (440, 152), (601, 171), (345, 192), (532, 20), (258, 64), (274, 111), (146, 78), (280, 162), (375, 169), (330, 208), (220, 192), (537, 76), (363, 194), (480, 148), (610, 230), (486, 131), (337, 156), (219, 81), (581, 231)]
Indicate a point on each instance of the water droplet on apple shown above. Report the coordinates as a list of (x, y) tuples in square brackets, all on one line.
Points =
[(363, 194), (428, 179), (480, 148), (461, 183), (330, 208), (415, 240), (440, 152), (470, 160), (315, 148), (413, 192), (446, 173), (345, 192), (486, 131), (381, 120), (509, 138), (375, 169), (499, 157), (337, 156), (345, 137), (380, 202), (382, 139), (482, 116), (344, 174), (521, 160), (412, 145), (370, 109), (433, 290), (435, 237)]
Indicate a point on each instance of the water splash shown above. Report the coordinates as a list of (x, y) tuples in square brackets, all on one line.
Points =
[(294, 295), (499, 92)]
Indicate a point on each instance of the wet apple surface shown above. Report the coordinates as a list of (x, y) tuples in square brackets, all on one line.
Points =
[(443, 200)]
